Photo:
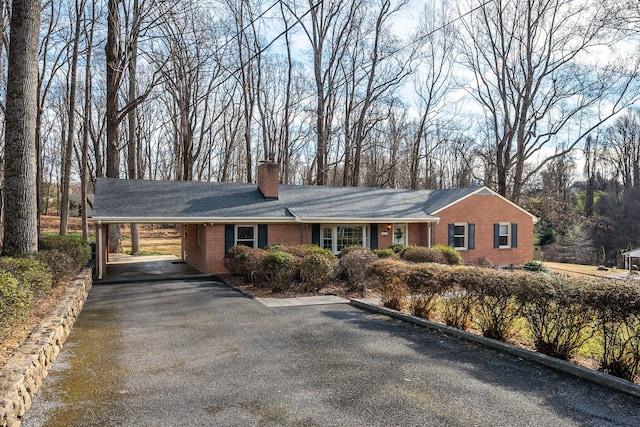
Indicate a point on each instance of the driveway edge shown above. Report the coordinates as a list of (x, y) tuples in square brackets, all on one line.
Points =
[(600, 378), (25, 371)]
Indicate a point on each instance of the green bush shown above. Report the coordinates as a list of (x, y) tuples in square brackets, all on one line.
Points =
[(534, 266), (317, 269), (353, 264), (385, 253), (423, 254), (451, 255), (399, 249), (14, 303), (60, 264), (72, 245), (31, 274), (279, 270)]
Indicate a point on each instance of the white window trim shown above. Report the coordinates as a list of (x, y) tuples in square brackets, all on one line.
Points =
[(334, 235), (255, 233), (466, 236), (508, 245)]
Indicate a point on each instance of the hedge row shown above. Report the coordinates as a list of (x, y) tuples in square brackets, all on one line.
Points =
[(24, 279), (280, 267), (558, 313)]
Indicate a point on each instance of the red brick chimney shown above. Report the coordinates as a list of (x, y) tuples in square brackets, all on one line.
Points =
[(269, 179)]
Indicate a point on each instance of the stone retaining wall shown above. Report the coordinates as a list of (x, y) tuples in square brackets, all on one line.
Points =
[(22, 376)]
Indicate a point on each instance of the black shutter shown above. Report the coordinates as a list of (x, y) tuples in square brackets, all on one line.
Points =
[(472, 236), (374, 236), (452, 242), (514, 235), (315, 234), (229, 236), (262, 236), (496, 236)]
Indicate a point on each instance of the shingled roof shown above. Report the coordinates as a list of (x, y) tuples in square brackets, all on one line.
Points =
[(124, 201), (119, 200)]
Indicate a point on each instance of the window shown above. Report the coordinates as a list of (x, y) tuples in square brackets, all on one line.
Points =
[(337, 237), (460, 236), (349, 236), (246, 235), (504, 237), (327, 238), (400, 234)]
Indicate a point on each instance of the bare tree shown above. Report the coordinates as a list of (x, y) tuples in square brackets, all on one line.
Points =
[(329, 30), (433, 81), (68, 147), (622, 142), (533, 79), (20, 202)]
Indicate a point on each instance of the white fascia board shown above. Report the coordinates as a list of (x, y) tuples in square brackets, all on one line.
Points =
[(533, 217), (181, 220), (325, 220)]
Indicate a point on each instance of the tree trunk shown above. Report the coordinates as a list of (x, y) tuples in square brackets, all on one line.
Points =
[(21, 228), (111, 117), (85, 129), (66, 173), (132, 144)]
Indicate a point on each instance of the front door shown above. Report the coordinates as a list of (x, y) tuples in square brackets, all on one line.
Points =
[(399, 234)]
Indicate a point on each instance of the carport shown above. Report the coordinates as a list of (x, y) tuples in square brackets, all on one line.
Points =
[(629, 256), (133, 268)]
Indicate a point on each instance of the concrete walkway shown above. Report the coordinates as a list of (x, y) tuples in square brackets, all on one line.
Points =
[(195, 352)]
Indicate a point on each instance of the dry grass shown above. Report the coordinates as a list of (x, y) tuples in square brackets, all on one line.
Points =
[(154, 238), (581, 270)]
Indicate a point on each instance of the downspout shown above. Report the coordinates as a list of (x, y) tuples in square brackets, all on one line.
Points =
[(100, 250)]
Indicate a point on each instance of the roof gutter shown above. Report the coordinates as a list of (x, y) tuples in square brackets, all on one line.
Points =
[(191, 220), (255, 220)]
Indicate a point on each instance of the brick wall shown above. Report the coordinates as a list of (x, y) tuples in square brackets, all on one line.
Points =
[(485, 210), (269, 179), (205, 253)]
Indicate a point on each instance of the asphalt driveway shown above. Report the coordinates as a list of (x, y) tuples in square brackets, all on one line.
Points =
[(197, 353)]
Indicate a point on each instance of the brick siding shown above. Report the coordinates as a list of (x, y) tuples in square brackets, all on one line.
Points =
[(485, 210)]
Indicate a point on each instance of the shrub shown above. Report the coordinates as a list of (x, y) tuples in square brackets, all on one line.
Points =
[(317, 269), (245, 262), (534, 266), (279, 270), (390, 278), (425, 286), (617, 308), (557, 317), (423, 254), (353, 264), (32, 274), (495, 307), (399, 249), (296, 250), (385, 253), (72, 245), (451, 255), (315, 249), (14, 303), (60, 264)]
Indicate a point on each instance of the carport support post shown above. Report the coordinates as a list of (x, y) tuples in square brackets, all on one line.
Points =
[(102, 237)]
